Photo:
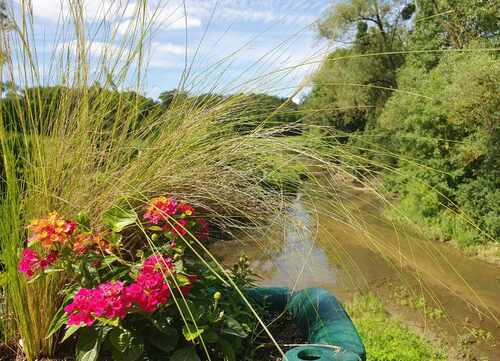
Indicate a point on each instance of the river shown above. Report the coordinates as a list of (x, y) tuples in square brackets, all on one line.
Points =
[(347, 246)]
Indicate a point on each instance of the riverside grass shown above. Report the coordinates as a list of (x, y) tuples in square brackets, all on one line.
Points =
[(83, 150), (78, 151)]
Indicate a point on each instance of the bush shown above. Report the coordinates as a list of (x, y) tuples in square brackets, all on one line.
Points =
[(447, 136), (153, 297)]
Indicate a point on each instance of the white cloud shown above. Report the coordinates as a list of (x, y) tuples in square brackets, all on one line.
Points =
[(94, 48), (94, 10), (168, 55), (169, 48)]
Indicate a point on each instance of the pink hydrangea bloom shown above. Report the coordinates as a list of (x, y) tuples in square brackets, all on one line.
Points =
[(82, 310), (107, 300), (149, 291)]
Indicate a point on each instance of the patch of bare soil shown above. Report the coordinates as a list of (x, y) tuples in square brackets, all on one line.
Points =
[(285, 333)]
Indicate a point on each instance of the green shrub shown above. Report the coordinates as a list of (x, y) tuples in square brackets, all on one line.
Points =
[(447, 135)]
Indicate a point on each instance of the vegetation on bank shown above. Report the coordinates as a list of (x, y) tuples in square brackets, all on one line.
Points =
[(387, 339), (415, 89)]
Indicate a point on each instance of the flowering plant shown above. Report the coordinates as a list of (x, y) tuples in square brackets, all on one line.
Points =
[(156, 301)]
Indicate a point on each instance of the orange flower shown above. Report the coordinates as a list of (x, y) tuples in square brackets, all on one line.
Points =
[(85, 241), (51, 230)]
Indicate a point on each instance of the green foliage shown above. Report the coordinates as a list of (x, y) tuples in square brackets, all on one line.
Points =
[(354, 82), (426, 118), (386, 339), (451, 137)]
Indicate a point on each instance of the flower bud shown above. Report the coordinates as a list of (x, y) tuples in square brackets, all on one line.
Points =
[(217, 296), (154, 237)]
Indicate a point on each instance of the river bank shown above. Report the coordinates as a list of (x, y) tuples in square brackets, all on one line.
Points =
[(348, 247)]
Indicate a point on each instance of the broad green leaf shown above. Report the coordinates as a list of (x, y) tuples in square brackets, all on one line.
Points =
[(182, 280), (83, 221), (118, 218), (185, 354), (233, 327), (126, 344), (70, 331), (115, 322), (165, 340), (191, 333), (88, 345)]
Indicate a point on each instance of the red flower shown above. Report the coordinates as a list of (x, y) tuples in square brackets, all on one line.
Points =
[(185, 290), (186, 209), (160, 209), (202, 232)]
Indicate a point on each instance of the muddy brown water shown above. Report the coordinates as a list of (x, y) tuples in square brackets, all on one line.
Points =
[(347, 246)]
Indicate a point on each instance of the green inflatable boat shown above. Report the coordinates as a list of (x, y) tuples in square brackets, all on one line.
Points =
[(323, 320)]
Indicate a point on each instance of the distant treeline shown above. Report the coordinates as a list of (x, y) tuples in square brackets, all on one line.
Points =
[(22, 108), (416, 84)]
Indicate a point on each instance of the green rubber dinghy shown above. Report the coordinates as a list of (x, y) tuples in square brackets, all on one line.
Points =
[(323, 320)]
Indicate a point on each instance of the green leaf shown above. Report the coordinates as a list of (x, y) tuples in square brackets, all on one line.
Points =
[(57, 322), (115, 322), (227, 349), (185, 354), (88, 345), (210, 336), (126, 344), (70, 331), (83, 221), (164, 340), (191, 333), (182, 280), (233, 327), (118, 218), (155, 228)]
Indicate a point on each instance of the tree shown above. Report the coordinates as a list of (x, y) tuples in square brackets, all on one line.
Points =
[(355, 81)]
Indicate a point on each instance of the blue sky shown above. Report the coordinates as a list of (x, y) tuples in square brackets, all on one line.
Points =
[(234, 45)]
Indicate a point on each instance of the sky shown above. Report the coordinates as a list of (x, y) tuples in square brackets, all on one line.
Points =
[(230, 45)]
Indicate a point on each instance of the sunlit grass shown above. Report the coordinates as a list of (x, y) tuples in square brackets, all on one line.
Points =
[(84, 150)]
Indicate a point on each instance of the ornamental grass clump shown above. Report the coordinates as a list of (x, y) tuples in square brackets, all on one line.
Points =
[(73, 143), (158, 300)]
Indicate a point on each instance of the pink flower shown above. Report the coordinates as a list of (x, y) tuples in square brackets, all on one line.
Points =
[(116, 304), (159, 209), (83, 307), (108, 300), (150, 289), (158, 264), (29, 263)]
